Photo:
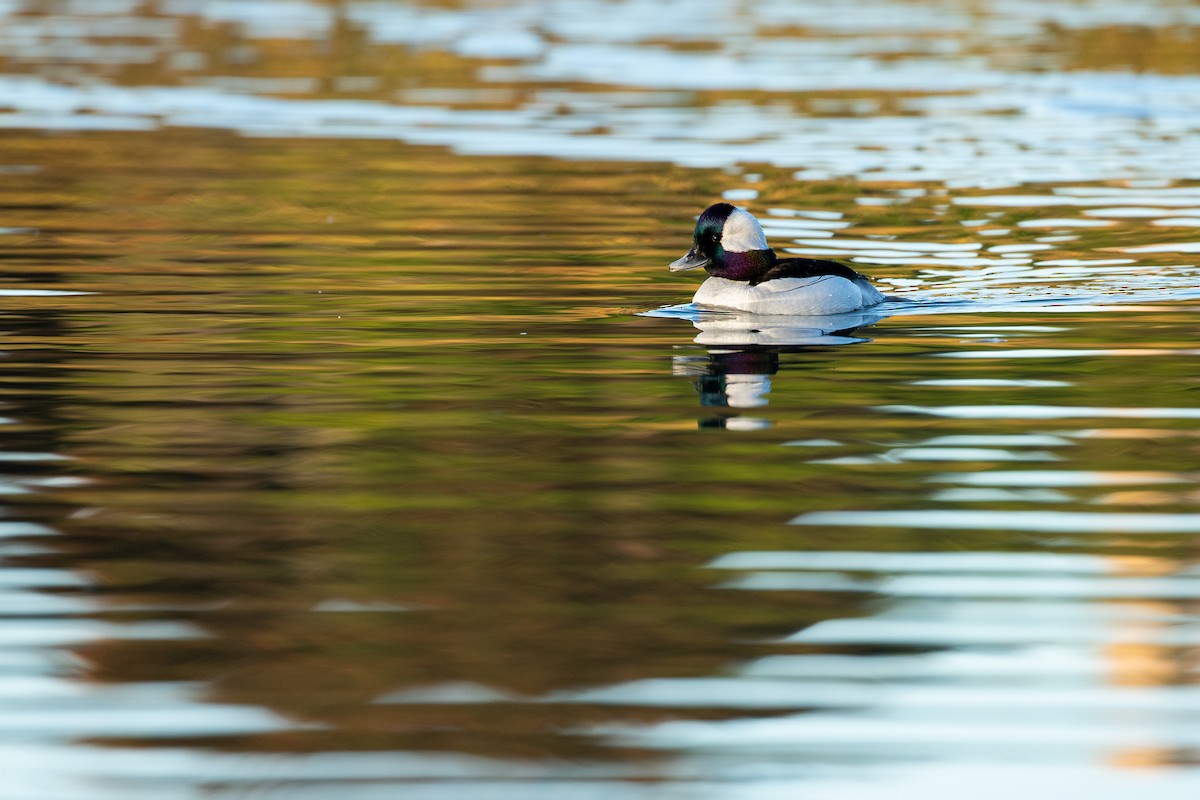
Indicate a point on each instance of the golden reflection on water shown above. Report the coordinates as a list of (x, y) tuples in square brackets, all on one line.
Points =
[(375, 435), (411, 456)]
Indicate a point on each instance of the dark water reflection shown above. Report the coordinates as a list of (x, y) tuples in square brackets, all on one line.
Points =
[(743, 352), (339, 464), (330, 490)]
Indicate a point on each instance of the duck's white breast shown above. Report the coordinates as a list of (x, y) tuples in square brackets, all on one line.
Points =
[(826, 294)]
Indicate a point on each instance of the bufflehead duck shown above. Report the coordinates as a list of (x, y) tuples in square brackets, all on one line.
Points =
[(746, 276)]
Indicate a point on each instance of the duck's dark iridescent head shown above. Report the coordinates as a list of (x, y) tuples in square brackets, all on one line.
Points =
[(728, 243)]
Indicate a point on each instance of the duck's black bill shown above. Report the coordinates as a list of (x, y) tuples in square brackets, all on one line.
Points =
[(691, 261)]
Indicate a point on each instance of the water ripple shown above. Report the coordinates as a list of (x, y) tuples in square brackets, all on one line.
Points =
[(1038, 521)]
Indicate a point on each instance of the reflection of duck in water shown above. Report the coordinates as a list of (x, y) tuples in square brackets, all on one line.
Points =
[(731, 379), (746, 276), (743, 354)]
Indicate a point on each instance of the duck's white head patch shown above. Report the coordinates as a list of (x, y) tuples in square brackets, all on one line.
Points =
[(742, 233)]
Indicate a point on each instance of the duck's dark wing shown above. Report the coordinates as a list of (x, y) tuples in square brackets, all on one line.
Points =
[(807, 268)]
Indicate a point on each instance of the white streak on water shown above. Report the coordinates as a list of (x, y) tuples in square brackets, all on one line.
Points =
[(966, 585), (973, 633), (964, 495), (1062, 478), (900, 455), (992, 382), (1042, 412), (999, 440), (1039, 521), (1034, 352), (716, 135), (747, 693), (855, 560)]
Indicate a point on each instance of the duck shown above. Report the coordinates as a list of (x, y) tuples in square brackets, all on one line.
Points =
[(746, 275)]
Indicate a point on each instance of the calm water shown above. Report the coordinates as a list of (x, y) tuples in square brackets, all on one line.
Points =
[(341, 458)]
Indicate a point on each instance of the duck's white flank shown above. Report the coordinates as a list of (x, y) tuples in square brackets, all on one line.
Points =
[(742, 233), (819, 296)]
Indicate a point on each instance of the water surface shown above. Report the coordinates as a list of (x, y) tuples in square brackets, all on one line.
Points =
[(343, 457)]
